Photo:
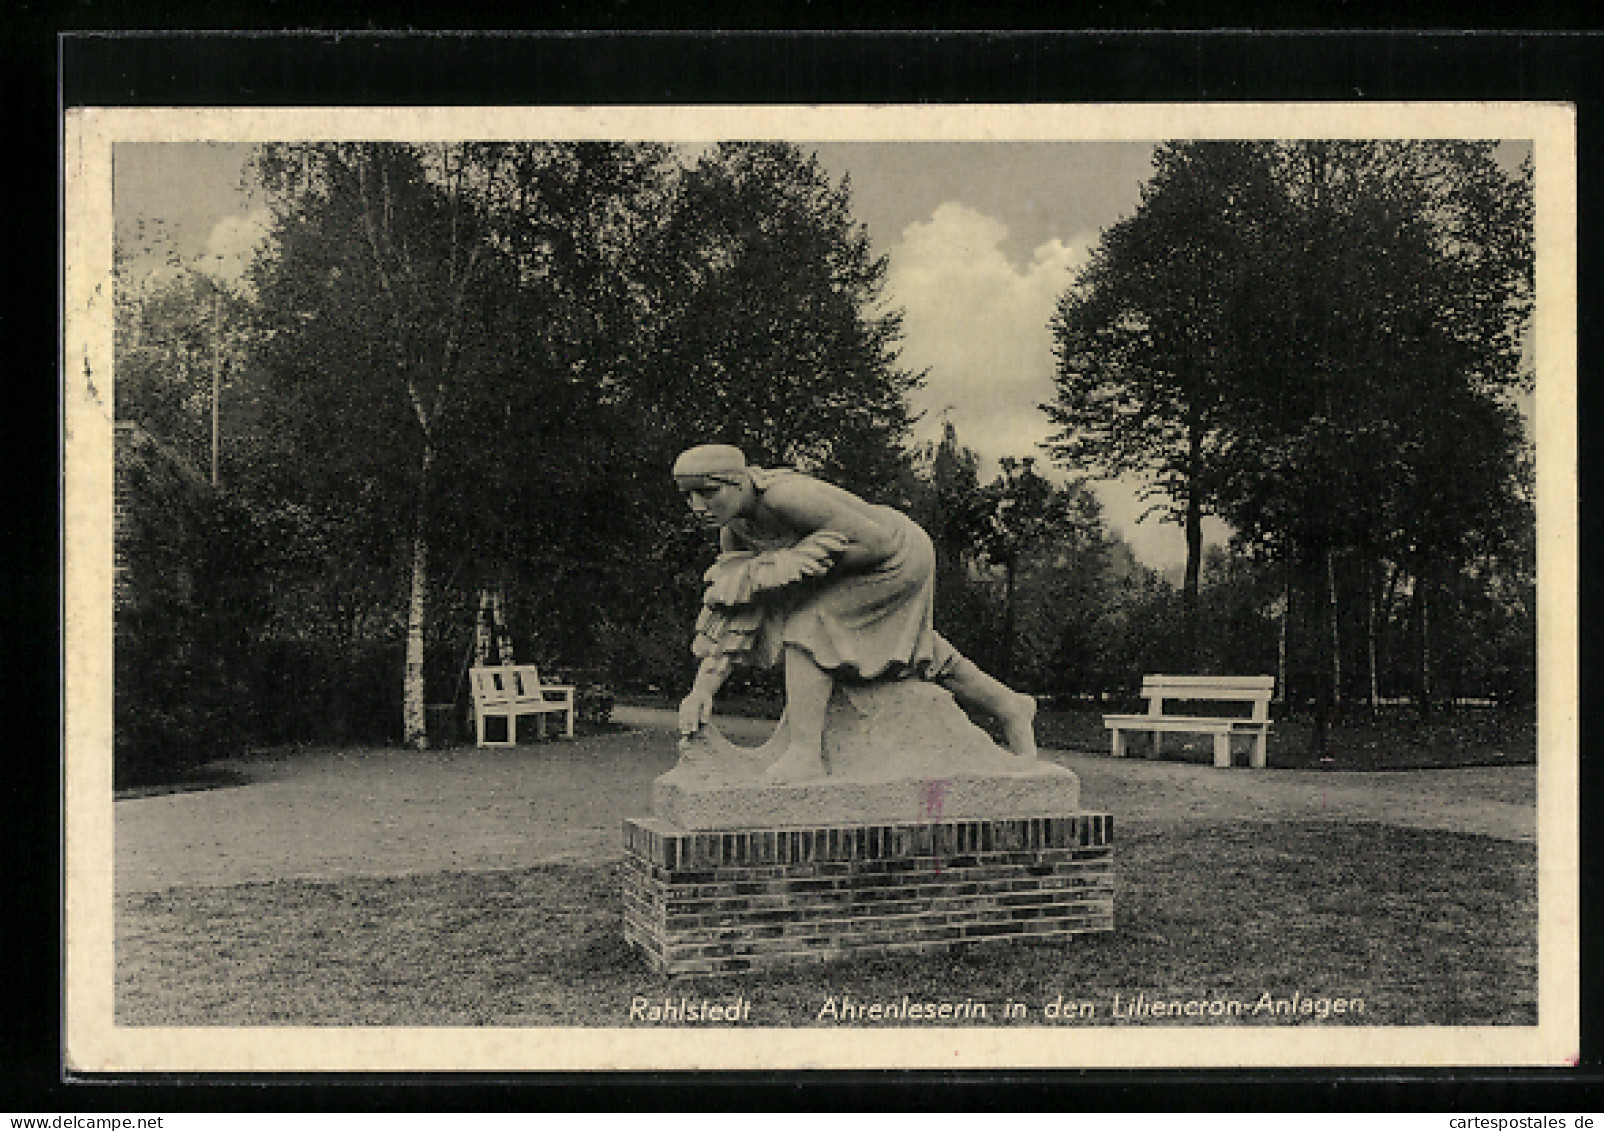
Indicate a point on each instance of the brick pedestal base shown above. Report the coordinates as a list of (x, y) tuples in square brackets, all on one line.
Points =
[(709, 902)]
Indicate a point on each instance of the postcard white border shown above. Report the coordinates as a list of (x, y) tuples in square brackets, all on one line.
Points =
[(95, 1044)]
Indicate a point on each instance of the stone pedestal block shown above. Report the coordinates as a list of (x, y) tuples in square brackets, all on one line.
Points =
[(900, 751), (723, 901)]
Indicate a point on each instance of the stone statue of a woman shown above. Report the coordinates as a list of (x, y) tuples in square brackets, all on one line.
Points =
[(833, 587)]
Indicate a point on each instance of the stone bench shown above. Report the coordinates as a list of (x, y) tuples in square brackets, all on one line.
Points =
[(1254, 690), (511, 690)]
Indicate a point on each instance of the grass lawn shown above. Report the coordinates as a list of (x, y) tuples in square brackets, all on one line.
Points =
[(1426, 927)]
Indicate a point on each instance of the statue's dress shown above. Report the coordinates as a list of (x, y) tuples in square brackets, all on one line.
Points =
[(865, 624)]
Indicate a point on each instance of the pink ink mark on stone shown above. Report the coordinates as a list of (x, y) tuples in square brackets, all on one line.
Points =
[(935, 792)]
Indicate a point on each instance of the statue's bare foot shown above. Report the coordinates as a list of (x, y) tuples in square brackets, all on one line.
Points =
[(1019, 725), (798, 763)]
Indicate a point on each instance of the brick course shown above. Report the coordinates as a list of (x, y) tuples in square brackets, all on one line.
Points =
[(711, 902)]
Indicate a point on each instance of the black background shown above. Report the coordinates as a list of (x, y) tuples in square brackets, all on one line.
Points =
[(86, 54)]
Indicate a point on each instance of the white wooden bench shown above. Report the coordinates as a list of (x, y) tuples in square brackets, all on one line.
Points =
[(513, 690), (1253, 689)]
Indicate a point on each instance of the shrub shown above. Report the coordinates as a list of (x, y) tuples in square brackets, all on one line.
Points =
[(186, 607), (593, 703)]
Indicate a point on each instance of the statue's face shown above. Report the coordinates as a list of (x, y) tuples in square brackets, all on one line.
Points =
[(716, 503)]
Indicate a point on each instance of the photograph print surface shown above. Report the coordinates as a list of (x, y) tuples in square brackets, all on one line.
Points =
[(360, 407)]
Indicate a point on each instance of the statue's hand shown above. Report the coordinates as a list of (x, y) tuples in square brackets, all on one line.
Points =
[(694, 710), (818, 551)]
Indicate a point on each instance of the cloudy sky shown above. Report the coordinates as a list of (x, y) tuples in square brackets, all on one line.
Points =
[(982, 238)]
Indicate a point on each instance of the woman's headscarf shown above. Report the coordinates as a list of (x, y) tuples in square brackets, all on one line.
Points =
[(716, 463)]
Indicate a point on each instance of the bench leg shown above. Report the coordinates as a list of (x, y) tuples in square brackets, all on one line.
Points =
[(1158, 744), (1119, 743), (484, 737), (1222, 750), (512, 731), (1260, 757), (570, 722), (540, 727)]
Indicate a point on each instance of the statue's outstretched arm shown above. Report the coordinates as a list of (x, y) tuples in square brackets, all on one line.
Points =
[(697, 707), (810, 506)]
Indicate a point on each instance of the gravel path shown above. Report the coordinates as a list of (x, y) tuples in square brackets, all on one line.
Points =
[(331, 814)]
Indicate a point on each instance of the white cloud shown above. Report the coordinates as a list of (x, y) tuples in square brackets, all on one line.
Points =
[(979, 323), (232, 241)]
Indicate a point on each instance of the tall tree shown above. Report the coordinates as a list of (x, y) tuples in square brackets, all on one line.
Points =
[(1154, 332), (1382, 425), (179, 332), (1025, 512), (1055, 590), (774, 335), (952, 507), (944, 495), (374, 301), (1287, 333)]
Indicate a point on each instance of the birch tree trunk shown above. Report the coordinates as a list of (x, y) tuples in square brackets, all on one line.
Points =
[(481, 631), (426, 384), (503, 635), (1281, 639), (492, 642), (414, 722)]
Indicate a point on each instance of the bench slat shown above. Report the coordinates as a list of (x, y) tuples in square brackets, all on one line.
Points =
[(1182, 694), (1180, 722), (1212, 682)]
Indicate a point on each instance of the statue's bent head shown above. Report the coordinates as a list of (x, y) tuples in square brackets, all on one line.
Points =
[(723, 462), (715, 481)]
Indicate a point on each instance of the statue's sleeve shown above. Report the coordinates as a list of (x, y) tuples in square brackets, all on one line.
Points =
[(730, 620), (733, 616)]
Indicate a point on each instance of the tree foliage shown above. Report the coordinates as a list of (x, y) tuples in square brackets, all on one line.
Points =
[(944, 495), (1318, 341), (1049, 543), (475, 362), (1156, 334), (464, 366), (772, 333), (188, 609), (177, 331), (1404, 271), (1024, 513)]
